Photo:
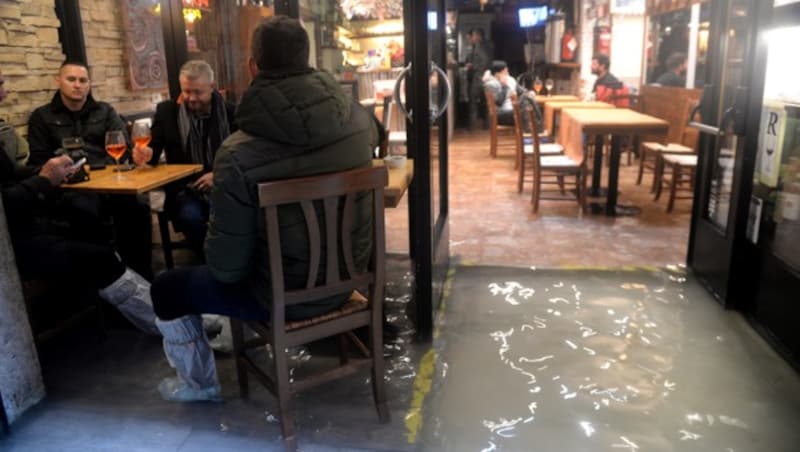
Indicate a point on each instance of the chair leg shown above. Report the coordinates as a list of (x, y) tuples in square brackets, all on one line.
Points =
[(237, 333), (658, 171), (166, 241), (521, 175), (535, 195), (343, 350), (493, 142), (676, 176), (642, 157), (378, 385), (281, 363), (561, 187)]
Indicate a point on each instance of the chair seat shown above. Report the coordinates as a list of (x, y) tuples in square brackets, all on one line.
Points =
[(557, 161), (356, 303), (669, 147), (681, 159), (545, 149), (398, 137)]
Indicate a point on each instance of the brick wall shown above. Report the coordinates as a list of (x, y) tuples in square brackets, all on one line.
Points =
[(31, 54)]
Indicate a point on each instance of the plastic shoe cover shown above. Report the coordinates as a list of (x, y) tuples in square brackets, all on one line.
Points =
[(223, 343), (188, 352), (176, 390), (130, 294)]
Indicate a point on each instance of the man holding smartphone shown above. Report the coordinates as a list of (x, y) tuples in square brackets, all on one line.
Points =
[(73, 115), (42, 248)]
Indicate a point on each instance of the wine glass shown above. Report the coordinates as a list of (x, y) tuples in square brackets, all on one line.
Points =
[(116, 147), (141, 136), (537, 85), (548, 84)]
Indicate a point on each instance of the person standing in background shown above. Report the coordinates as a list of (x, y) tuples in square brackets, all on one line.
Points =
[(477, 63), (676, 71)]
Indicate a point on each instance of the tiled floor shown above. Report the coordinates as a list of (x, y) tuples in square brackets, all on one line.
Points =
[(491, 224)]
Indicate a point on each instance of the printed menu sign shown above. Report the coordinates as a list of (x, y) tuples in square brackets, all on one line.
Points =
[(770, 144)]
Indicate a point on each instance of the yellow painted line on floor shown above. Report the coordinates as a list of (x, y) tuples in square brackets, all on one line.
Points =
[(425, 370)]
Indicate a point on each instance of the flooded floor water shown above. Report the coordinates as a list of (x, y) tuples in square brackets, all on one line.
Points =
[(523, 360)]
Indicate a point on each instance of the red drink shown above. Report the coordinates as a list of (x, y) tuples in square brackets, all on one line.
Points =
[(141, 141), (116, 151)]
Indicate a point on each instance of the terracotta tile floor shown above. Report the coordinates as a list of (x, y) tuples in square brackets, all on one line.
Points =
[(491, 224)]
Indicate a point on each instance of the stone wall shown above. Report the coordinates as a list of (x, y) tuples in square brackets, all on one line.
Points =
[(31, 54), (20, 375), (30, 57)]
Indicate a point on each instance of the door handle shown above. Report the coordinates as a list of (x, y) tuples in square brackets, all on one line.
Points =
[(436, 114), (437, 111), (396, 91)]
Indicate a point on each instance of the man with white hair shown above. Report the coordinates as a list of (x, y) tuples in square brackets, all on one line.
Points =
[(190, 129)]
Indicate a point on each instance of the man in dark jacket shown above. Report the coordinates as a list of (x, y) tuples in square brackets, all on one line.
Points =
[(190, 130), (73, 113), (676, 71), (41, 251), (293, 121)]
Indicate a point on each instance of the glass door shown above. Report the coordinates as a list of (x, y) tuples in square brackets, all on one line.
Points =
[(774, 226), (427, 93), (722, 118)]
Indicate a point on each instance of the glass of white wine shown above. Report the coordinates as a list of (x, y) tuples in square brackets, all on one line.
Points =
[(548, 85)]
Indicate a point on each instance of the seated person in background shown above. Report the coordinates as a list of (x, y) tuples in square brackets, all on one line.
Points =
[(503, 86), (293, 121), (606, 86), (676, 71), (73, 113), (190, 130), (44, 249)]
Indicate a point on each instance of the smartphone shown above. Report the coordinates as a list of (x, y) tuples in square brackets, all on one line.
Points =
[(77, 165)]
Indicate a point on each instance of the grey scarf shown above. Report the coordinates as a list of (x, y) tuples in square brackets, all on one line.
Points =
[(190, 127)]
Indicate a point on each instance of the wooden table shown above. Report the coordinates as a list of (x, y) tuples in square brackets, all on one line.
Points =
[(135, 182), (579, 122), (542, 99), (142, 180), (552, 109), (399, 179)]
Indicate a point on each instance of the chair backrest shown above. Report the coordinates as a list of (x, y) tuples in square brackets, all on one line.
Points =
[(518, 127), (334, 197), (672, 104), (491, 107)]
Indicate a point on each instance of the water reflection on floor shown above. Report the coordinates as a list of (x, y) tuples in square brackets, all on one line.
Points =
[(599, 360), (523, 360)]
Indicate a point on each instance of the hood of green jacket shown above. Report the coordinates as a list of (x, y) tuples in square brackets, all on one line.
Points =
[(305, 110)]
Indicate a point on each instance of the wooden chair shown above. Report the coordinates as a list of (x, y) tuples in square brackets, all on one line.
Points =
[(681, 169), (497, 131), (524, 150), (650, 159), (334, 194), (552, 169)]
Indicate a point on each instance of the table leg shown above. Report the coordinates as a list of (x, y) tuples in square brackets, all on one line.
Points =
[(613, 176), (597, 167)]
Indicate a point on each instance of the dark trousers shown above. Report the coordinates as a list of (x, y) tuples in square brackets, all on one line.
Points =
[(74, 262), (194, 290), (119, 221), (189, 215)]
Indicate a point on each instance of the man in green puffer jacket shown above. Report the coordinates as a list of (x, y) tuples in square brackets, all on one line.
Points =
[(293, 121)]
